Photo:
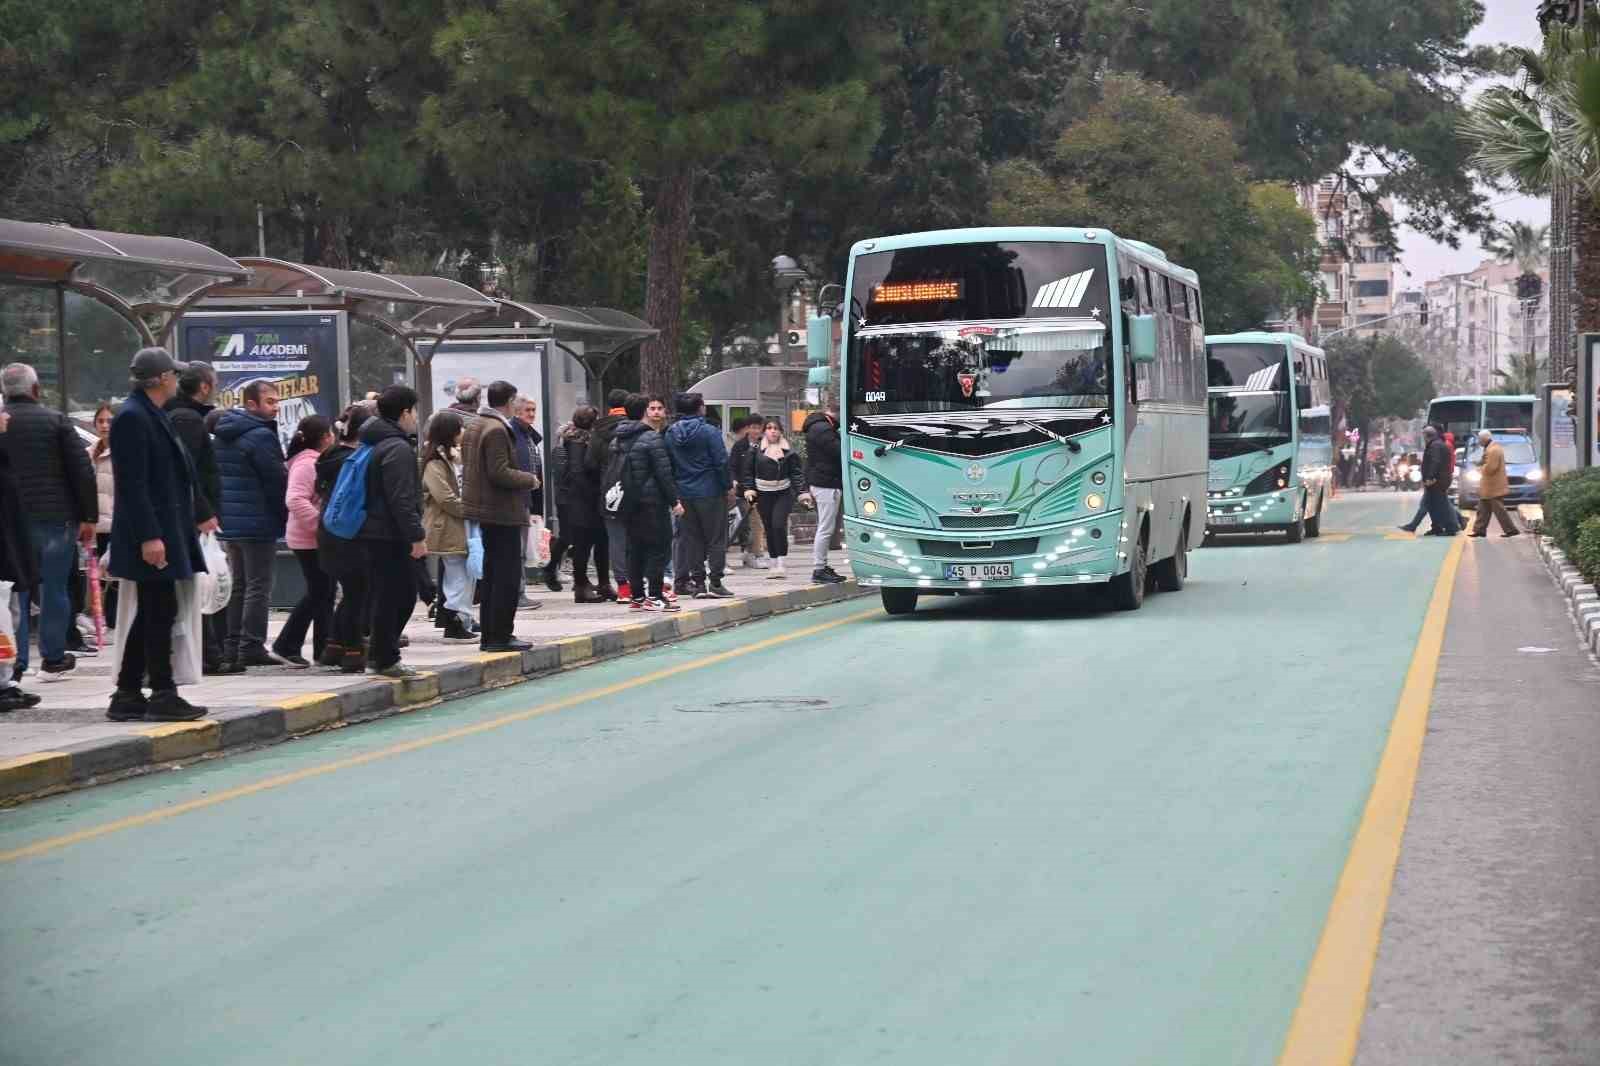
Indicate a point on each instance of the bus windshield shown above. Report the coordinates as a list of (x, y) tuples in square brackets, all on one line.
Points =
[(952, 367), (1248, 421), (1246, 366)]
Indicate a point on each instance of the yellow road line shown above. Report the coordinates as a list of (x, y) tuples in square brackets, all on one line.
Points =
[(149, 818), (1333, 1001), (1334, 538)]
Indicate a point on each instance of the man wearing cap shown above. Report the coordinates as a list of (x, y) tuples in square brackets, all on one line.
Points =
[(155, 540), (56, 484)]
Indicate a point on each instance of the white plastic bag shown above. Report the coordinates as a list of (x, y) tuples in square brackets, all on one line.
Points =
[(215, 586), (186, 635), (8, 642), (474, 551), (538, 542)]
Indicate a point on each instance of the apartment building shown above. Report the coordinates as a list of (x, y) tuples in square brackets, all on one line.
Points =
[(1358, 276), (1478, 326)]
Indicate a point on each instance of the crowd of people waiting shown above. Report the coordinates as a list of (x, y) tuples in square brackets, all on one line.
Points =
[(438, 515)]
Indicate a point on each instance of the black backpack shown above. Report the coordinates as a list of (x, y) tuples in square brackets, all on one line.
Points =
[(617, 492)]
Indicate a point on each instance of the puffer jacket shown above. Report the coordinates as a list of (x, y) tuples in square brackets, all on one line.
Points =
[(578, 491), (443, 520), (105, 486), (762, 467), (394, 491), (699, 458), (824, 463), (255, 480), (50, 467), (305, 506), (649, 471)]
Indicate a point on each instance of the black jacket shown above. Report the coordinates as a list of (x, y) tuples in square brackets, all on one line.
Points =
[(394, 490), (600, 443), (17, 561), (49, 463), (739, 461), (578, 490), (823, 459), (768, 469), (649, 468), (1437, 464), (189, 423), (154, 496)]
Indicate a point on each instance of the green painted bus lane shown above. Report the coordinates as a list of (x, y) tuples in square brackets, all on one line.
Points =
[(991, 831)]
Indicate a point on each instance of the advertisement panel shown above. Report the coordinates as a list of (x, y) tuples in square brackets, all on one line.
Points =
[(1591, 403), (301, 352)]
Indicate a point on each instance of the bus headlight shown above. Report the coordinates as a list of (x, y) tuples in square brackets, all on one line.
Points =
[(1094, 501), (869, 507)]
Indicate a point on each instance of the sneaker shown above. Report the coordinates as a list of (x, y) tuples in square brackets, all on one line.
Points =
[(700, 592), (59, 669), (127, 706), (609, 593), (331, 654), (552, 578), (1408, 529), (777, 571), (825, 576), (396, 671), (667, 592), (79, 647), (718, 591), (14, 699), (529, 605), (510, 645), (624, 592), (764, 562), (587, 594), (667, 605), (168, 706), (456, 633), (299, 662), (226, 666), (644, 605)]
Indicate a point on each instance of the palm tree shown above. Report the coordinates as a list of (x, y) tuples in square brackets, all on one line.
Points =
[(1521, 243), (1522, 378)]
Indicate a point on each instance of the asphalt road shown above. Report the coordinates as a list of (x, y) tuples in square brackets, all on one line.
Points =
[(991, 832)]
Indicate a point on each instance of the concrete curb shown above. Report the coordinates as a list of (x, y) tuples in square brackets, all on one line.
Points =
[(97, 761), (1583, 598)]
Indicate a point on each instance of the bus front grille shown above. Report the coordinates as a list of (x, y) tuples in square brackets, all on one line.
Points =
[(978, 549), (978, 521)]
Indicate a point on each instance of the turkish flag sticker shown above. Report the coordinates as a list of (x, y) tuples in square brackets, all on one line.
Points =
[(967, 382)]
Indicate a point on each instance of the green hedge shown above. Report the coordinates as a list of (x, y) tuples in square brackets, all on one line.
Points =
[(1572, 501), (1585, 553)]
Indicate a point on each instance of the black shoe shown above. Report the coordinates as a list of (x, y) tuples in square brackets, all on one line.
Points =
[(127, 706), (1477, 536), (404, 641), (608, 592), (456, 633), (78, 647), (226, 666), (168, 706), (552, 578), (1513, 533), (510, 645), (397, 671), (588, 594), (1408, 529), (55, 671), (718, 591), (14, 699), (331, 655), (832, 576)]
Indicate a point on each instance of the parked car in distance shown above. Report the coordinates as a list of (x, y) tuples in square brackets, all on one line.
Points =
[(1522, 469)]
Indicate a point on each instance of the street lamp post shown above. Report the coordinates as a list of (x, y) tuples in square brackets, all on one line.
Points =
[(786, 274)]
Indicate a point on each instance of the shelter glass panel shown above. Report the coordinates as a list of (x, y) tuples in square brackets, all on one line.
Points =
[(28, 335)]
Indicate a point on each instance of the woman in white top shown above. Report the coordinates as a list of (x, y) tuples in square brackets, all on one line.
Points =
[(774, 478)]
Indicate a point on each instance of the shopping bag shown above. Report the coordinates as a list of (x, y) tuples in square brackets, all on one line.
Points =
[(474, 551), (97, 603), (538, 542), (215, 586), (8, 642), (187, 637)]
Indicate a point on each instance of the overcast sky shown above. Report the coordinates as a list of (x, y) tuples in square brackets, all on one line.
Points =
[(1505, 22)]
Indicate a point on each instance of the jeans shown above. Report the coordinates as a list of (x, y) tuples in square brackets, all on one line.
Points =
[(650, 544), (616, 534), (704, 532), (1442, 511), (773, 509), (394, 593), (57, 550), (314, 611), (251, 563), (458, 586), (502, 581), (827, 518), (149, 649)]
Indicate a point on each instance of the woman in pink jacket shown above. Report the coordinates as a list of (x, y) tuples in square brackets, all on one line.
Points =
[(312, 437)]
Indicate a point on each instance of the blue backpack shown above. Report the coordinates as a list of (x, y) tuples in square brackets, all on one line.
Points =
[(346, 511)]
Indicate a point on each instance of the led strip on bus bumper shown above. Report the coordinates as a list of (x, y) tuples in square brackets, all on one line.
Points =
[(1277, 508), (1066, 556)]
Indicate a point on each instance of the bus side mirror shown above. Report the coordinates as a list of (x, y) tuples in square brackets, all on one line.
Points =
[(1142, 338), (819, 340)]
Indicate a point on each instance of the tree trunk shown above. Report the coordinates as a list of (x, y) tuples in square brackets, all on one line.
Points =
[(1586, 265), (718, 346), (663, 300)]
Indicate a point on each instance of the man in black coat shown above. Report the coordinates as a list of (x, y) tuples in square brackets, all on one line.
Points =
[(155, 538), (392, 533), (188, 410), (1437, 468), (16, 567), (605, 427), (55, 478), (650, 500)]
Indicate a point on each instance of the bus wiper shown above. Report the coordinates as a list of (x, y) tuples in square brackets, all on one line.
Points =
[(884, 449), (1072, 445)]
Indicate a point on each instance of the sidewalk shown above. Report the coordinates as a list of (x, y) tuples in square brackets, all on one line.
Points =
[(66, 740)]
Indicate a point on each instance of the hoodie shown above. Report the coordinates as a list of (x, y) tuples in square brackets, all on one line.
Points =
[(699, 458), (824, 461)]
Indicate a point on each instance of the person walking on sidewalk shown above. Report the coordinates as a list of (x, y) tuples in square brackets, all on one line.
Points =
[(495, 495), (650, 500), (155, 540), (1436, 468), (392, 533), (775, 480), (255, 513), (825, 474), (624, 406), (1493, 488), (344, 561), (55, 481), (188, 411), (312, 438), (700, 467), (751, 538), (445, 524), (578, 499)]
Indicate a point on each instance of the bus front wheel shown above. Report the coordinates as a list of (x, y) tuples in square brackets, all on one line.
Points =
[(1127, 590), (899, 601), (1296, 532)]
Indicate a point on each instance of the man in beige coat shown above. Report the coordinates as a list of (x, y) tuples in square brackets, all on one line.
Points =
[(494, 493), (1493, 487)]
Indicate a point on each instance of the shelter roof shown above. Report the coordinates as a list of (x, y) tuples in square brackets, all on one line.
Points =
[(603, 330), (140, 272)]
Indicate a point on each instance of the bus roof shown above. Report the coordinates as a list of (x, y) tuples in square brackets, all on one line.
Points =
[(1149, 254), (1294, 340), (1520, 398)]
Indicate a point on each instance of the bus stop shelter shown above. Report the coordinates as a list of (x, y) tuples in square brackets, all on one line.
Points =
[(137, 285)]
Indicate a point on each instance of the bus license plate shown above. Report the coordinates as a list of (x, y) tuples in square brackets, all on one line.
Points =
[(976, 571), (1229, 520)]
